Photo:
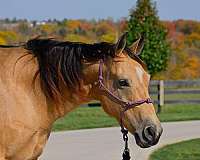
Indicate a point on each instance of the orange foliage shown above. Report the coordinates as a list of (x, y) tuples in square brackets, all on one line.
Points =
[(193, 40), (123, 25), (192, 68), (86, 26), (181, 66), (104, 27), (73, 24), (171, 28)]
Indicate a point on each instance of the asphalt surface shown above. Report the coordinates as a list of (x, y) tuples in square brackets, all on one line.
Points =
[(107, 144)]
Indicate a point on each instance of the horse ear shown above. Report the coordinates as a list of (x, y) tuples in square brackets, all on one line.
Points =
[(137, 46), (121, 44)]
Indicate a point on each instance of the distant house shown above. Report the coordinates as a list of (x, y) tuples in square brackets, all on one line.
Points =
[(41, 22)]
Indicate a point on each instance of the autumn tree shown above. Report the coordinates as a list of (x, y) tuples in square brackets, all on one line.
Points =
[(7, 37), (2, 41), (144, 21)]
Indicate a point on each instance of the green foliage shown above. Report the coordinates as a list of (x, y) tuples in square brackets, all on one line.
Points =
[(108, 38), (144, 20)]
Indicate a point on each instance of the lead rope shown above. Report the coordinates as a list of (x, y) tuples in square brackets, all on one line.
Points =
[(126, 153)]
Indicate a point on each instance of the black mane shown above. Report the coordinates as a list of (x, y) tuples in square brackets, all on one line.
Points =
[(61, 61)]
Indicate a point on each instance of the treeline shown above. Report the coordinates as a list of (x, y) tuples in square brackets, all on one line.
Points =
[(69, 30), (183, 35)]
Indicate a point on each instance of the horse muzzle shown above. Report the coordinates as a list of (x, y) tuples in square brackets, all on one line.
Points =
[(148, 136)]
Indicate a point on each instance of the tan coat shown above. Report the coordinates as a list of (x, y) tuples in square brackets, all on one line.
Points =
[(27, 115)]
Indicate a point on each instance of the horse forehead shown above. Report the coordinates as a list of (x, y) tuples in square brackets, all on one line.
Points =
[(140, 73)]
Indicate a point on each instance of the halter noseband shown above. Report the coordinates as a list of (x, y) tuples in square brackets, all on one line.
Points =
[(126, 105)]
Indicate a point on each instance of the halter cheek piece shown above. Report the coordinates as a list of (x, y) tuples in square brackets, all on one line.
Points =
[(126, 105)]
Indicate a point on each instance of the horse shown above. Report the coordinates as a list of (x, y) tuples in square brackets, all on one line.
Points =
[(45, 79)]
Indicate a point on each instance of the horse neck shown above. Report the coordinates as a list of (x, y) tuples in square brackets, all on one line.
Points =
[(71, 99), (22, 80)]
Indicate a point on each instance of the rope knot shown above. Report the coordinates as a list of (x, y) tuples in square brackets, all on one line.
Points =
[(149, 100), (101, 78), (124, 131), (128, 104), (100, 85)]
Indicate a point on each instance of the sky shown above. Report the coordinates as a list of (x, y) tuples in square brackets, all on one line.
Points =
[(97, 9)]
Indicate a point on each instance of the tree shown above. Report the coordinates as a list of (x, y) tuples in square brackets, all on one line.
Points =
[(144, 21), (24, 28)]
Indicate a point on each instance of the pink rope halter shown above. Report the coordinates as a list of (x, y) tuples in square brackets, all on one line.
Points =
[(126, 105)]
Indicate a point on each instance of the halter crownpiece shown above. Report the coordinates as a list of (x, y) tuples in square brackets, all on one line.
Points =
[(126, 105)]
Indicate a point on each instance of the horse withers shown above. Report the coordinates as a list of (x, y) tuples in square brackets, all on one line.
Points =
[(46, 79)]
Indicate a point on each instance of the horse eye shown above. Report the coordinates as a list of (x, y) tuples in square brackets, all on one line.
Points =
[(123, 83)]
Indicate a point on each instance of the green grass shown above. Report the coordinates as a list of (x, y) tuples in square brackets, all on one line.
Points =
[(180, 113), (85, 117), (95, 117), (186, 150)]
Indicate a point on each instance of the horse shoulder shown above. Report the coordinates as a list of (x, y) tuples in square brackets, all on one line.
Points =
[(25, 123)]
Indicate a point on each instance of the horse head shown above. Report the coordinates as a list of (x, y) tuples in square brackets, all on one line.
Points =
[(77, 72), (125, 79)]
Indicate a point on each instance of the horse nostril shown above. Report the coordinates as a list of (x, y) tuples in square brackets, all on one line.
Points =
[(149, 134)]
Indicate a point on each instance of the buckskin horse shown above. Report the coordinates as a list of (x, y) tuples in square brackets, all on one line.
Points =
[(45, 79)]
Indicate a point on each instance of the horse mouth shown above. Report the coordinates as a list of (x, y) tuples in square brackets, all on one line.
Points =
[(144, 144), (145, 141)]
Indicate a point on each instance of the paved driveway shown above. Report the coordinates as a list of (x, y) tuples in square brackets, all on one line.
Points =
[(106, 143)]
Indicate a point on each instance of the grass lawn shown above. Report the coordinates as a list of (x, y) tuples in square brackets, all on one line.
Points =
[(85, 117), (180, 113), (186, 150), (94, 117)]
